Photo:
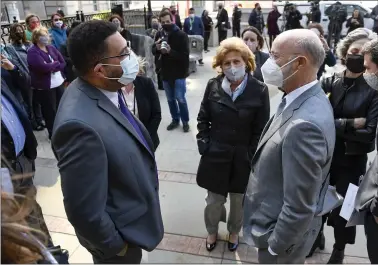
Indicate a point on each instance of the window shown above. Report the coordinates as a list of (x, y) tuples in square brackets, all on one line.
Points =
[(351, 8), (362, 10), (327, 9)]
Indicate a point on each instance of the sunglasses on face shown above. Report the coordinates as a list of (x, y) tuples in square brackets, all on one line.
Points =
[(58, 19)]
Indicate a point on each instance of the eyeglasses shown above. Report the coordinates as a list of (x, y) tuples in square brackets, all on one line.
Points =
[(125, 54)]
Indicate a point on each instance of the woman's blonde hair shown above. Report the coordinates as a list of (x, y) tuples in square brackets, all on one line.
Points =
[(234, 44), (142, 65), (18, 245), (38, 32)]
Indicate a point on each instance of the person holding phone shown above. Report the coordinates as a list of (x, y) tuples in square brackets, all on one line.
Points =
[(330, 59)]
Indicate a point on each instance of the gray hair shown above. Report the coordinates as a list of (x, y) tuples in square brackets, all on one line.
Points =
[(355, 35), (371, 48), (312, 47)]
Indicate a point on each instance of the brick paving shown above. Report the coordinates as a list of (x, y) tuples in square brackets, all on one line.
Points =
[(196, 245)]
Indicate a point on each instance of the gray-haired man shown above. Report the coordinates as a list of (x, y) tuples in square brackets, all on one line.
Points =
[(292, 160)]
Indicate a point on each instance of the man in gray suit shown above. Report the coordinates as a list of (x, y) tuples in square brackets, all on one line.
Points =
[(105, 155), (290, 167)]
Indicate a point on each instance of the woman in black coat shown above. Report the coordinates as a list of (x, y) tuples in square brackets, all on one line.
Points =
[(208, 26), (273, 29), (255, 42), (355, 107), (143, 101), (355, 22), (233, 113)]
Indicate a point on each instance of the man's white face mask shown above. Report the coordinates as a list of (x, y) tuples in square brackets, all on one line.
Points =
[(371, 79), (273, 74)]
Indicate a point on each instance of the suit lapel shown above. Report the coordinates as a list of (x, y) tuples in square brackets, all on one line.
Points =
[(275, 124), (105, 104)]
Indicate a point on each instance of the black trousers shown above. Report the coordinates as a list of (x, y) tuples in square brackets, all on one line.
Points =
[(132, 256), (375, 29), (344, 170), (236, 30), (206, 40), (222, 35), (160, 81), (24, 186), (271, 39), (49, 100), (371, 231)]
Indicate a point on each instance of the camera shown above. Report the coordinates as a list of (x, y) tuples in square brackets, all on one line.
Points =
[(164, 45)]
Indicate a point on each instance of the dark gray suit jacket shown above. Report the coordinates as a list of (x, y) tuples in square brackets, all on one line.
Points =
[(109, 178), (289, 170)]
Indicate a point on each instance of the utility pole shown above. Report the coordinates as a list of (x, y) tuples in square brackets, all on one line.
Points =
[(149, 13)]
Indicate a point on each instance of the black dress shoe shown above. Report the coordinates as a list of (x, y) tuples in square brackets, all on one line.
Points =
[(211, 246), (186, 127), (319, 243), (337, 257), (173, 125), (38, 128), (42, 123), (232, 246)]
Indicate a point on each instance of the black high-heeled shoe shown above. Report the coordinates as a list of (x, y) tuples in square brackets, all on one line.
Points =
[(210, 247), (232, 246)]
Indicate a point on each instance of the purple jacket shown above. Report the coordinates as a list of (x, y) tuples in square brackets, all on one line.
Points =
[(41, 67)]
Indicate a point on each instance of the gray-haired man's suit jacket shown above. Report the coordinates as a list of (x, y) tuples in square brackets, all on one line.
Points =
[(108, 176), (288, 171)]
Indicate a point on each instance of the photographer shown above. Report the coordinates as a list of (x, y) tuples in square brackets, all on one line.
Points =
[(316, 15), (256, 18), (172, 46), (337, 16), (294, 18)]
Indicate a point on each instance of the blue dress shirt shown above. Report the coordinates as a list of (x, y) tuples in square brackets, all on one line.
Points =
[(10, 119)]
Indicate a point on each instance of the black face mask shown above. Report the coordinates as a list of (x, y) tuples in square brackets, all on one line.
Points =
[(20, 35), (167, 27), (173, 12), (355, 63), (259, 8), (155, 25)]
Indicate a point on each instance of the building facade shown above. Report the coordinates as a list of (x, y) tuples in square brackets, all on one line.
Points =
[(44, 9)]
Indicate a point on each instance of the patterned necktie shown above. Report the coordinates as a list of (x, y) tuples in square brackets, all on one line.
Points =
[(280, 108)]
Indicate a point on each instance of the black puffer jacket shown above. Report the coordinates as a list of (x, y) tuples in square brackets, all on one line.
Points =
[(358, 100)]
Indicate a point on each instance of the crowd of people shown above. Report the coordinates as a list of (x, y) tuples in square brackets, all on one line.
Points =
[(87, 85)]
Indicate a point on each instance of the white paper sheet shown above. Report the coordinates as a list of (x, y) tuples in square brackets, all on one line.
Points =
[(348, 205)]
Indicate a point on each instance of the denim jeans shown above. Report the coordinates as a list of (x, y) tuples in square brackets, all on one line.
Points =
[(175, 92)]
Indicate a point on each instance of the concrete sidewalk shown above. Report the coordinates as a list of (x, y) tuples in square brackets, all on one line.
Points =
[(182, 201)]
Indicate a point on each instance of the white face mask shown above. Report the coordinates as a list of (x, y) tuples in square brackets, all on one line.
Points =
[(58, 24), (130, 67), (235, 73), (372, 80), (191, 15), (272, 72)]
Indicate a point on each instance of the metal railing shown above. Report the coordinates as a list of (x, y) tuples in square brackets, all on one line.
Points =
[(135, 20)]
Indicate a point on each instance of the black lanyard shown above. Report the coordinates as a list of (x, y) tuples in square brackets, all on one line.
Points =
[(124, 100)]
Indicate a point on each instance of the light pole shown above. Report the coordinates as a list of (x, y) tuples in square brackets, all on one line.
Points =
[(149, 13)]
